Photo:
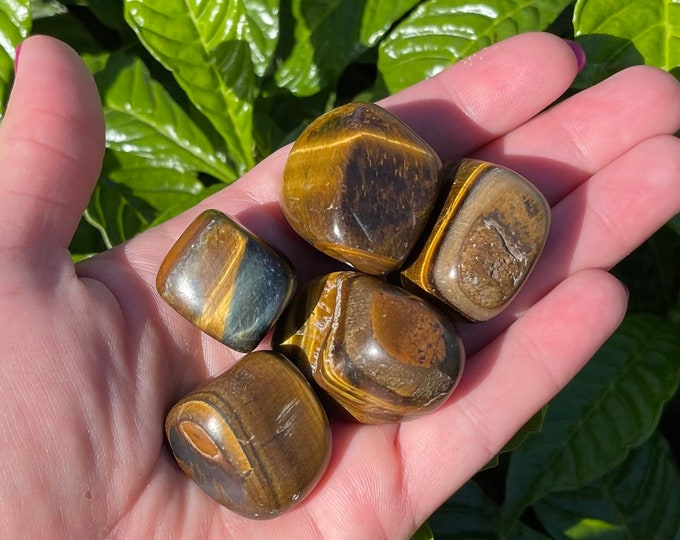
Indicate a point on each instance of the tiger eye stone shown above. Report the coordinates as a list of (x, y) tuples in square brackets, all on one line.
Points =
[(485, 242), (359, 185), (226, 281), (378, 352), (255, 439)]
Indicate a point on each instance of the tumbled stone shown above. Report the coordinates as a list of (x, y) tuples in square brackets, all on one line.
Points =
[(226, 281), (490, 232), (256, 438), (374, 351), (359, 185)]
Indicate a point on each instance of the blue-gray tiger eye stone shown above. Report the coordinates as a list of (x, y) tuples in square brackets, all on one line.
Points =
[(226, 281)]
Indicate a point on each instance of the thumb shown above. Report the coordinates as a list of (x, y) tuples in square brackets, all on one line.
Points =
[(51, 149)]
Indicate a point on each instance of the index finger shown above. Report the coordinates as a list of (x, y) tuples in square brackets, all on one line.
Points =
[(459, 110)]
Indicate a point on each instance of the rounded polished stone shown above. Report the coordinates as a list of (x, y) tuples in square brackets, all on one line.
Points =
[(255, 439), (490, 233), (375, 350), (226, 281), (359, 185)]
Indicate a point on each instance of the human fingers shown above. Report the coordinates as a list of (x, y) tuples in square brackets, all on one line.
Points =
[(51, 148), (599, 223), (460, 109), (487, 94), (505, 383), (566, 144)]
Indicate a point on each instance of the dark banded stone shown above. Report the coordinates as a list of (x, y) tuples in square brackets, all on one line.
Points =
[(485, 242), (376, 351), (226, 281), (359, 185), (255, 439)]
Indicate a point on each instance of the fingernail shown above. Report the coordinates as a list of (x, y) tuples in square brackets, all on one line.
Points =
[(579, 53), (16, 57)]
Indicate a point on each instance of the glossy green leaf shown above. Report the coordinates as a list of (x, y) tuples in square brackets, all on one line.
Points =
[(423, 533), (619, 33), (161, 188), (202, 44), (15, 25), (185, 202), (117, 213), (142, 119), (441, 32), (638, 499), (47, 8), (329, 35), (612, 405), (259, 26)]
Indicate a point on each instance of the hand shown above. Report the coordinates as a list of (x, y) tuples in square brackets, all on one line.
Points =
[(92, 358)]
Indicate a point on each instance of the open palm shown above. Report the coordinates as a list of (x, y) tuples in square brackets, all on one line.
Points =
[(92, 358)]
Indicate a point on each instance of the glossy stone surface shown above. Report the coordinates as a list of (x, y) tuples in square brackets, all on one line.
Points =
[(485, 242), (378, 352), (255, 439), (359, 185), (226, 281)]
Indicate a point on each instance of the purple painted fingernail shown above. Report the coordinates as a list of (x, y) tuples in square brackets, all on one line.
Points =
[(16, 57), (579, 53)]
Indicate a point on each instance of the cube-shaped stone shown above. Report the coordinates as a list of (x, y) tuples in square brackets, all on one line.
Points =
[(359, 185), (226, 281), (484, 243)]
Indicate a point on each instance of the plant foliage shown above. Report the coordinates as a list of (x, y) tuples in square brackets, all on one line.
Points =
[(195, 92)]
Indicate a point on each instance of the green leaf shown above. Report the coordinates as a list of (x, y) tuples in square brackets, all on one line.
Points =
[(259, 27), (441, 32), (86, 241), (47, 8), (533, 425), (161, 188), (70, 29), (612, 405), (652, 274), (202, 44), (470, 514), (185, 202), (110, 13), (638, 499), (619, 33), (674, 223), (423, 533), (15, 25), (329, 35), (116, 212), (467, 514), (142, 119)]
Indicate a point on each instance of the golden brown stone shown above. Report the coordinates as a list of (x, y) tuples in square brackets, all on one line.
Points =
[(376, 350), (255, 439), (485, 242), (359, 185)]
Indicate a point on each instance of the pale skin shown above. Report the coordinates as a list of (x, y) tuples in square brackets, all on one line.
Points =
[(92, 358)]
